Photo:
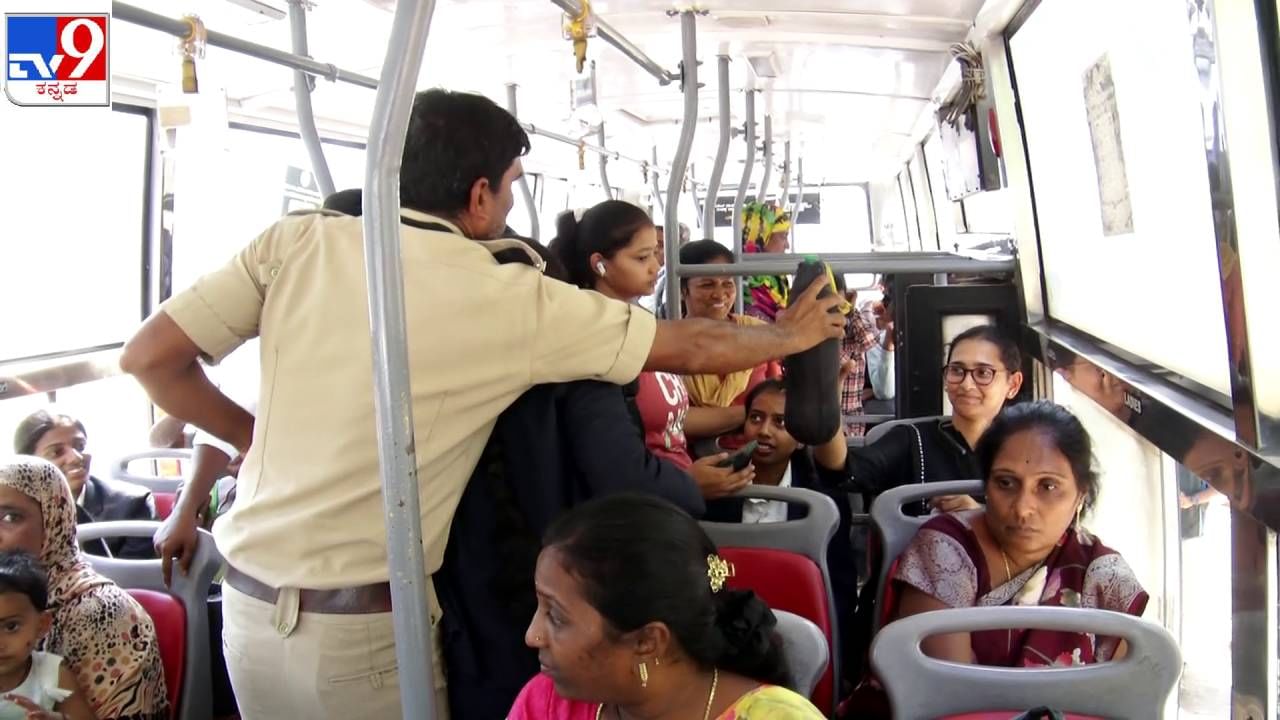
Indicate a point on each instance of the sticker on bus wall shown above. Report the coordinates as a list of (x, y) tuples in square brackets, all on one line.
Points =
[(56, 60)]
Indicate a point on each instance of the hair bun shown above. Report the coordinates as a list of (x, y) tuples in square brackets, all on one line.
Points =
[(745, 623)]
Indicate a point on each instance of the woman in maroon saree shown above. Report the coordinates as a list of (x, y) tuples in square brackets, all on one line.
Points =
[(1026, 547)]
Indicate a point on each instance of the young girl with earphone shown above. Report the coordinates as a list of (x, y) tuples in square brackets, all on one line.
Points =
[(612, 248)]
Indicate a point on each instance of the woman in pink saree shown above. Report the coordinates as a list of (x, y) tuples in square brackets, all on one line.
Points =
[(1026, 547)]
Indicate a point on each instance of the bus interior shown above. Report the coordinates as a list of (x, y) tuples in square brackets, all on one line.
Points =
[(995, 158)]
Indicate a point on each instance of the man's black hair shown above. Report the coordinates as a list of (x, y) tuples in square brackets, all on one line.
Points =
[(454, 139)]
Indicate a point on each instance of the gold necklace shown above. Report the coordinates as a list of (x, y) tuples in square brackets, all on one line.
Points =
[(706, 714), (1008, 574)]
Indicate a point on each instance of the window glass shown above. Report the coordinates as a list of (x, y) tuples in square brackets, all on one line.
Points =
[(844, 228), (912, 222), (232, 185), (1110, 101), (948, 217), (924, 202), (75, 187), (989, 212), (1130, 512)]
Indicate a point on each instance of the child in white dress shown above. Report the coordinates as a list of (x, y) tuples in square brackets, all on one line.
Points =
[(34, 685)]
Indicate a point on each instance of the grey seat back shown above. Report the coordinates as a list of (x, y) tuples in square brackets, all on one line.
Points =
[(896, 529), (120, 469), (192, 590), (805, 649), (883, 429), (1135, 687)]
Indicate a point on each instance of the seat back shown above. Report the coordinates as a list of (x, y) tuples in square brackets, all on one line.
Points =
[(195, 684), (883, 429), (895, 529), (805, 648), (785, 563), (164, 503), (1135, 687), (170, 619), (120, 469)]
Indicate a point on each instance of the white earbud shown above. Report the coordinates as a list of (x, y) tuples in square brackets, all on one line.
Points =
[(600, 268)]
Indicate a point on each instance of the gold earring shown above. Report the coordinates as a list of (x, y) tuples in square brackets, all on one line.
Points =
[(657, 662), (644, 675)]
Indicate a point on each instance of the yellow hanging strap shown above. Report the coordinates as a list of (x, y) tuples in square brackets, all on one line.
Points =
[(582, 155), (192, 45), (845, 307), (577, 28)]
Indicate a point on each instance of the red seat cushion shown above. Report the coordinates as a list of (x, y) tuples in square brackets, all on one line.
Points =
[(164, 503), (170, 619), (791, 582)]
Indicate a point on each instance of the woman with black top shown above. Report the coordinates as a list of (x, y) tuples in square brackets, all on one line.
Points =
[(983, 372)]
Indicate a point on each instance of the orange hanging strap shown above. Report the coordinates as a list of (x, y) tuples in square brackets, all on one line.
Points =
[(191, 46)]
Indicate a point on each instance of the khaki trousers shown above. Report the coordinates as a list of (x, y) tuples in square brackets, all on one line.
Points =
[(289, 664)]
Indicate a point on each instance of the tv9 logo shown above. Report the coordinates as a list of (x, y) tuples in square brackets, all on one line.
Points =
[(57, 59)]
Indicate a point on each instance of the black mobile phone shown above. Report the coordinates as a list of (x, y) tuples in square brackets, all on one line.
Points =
[(741, 458)]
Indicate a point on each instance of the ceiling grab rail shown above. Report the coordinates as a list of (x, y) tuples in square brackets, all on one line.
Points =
[(180, 28), (616, 39), (303, 85), (657, 191), (853, 263), (722, 151), (768, 159), (744, 184), (689, 85), (391, 384), (535, 230)]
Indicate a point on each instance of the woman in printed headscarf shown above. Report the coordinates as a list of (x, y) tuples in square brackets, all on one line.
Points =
[(104, 635), (766, 228)]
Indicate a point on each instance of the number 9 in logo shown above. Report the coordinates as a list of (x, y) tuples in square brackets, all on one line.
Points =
[(86, 56)]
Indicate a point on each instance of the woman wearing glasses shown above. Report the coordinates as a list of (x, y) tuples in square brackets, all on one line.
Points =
[(982, 374)]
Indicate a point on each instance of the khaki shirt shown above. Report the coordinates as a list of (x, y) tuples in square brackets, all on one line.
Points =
[(308, 512)]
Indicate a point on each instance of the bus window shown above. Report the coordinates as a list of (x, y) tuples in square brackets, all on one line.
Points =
[(260, 175), (844, 228), (1175, 531), (950, 220), (79, 236)]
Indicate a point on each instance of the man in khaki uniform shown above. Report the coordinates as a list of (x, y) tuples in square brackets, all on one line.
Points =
[(308, 629)]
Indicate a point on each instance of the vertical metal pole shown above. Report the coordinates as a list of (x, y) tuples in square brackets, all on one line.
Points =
[(786, 175), (535, 231), (689, 83), (392, 397), (657, 192), (747, 167), (604, 167), (768, 158), (693, 192), (799, 206), (302, 87), (722, 152)]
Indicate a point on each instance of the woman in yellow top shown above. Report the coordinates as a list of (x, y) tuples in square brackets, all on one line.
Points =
[(634, 620), (712, 298)]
